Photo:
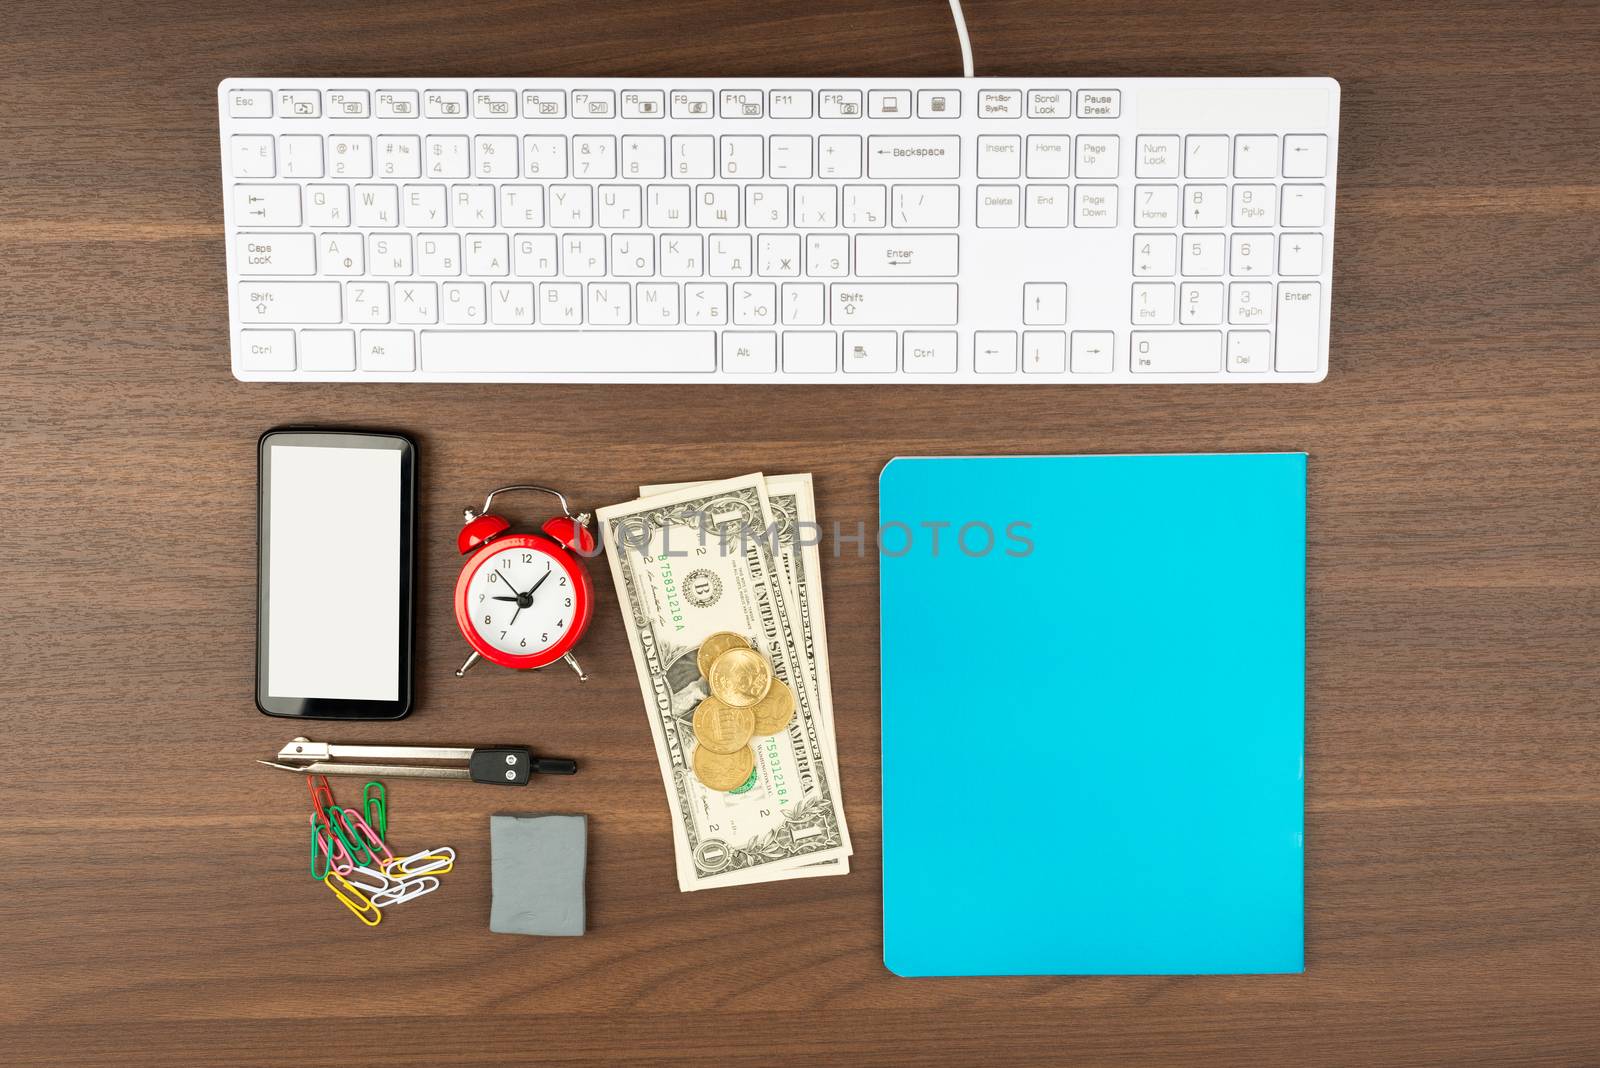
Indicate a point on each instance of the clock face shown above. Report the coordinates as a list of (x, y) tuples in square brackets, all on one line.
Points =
[(521, 600)]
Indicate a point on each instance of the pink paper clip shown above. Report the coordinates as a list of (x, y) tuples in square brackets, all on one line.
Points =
[(338, 856), (374, 843)]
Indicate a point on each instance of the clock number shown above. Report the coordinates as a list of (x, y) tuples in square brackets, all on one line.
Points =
[(524, 643), (481, 596), (544, 638), (567, 603), (494, 576), (502, 635), (487, 618), (505, 561), (527, 558), (563, 580)]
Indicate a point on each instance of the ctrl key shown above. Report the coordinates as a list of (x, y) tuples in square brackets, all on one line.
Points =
[(266, 350)]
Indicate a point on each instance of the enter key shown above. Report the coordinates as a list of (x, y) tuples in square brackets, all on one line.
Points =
[(907, 255)]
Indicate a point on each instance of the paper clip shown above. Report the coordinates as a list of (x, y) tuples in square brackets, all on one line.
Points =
[(369, 836), (409, 890), (339, 820), (428, 862), (321, 795), (360, 903), (338, 857), (380, 882), (375, 806)]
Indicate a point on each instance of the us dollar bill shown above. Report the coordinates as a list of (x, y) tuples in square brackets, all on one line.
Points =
[(688, 564), (795, 512)]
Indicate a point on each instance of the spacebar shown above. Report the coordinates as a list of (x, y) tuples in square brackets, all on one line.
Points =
[(574, 351)]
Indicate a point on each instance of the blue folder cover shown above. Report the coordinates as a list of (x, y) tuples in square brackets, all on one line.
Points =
[(1093, 731)]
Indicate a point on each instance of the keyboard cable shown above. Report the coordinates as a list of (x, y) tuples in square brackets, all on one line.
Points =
[(966, 42)]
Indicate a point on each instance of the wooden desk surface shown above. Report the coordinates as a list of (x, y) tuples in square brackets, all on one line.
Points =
[(154, 907)]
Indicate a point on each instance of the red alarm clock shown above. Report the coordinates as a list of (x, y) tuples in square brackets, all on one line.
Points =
[(524, 600)]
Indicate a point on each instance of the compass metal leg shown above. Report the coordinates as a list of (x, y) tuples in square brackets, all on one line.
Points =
[(572, 662), (464, 668)]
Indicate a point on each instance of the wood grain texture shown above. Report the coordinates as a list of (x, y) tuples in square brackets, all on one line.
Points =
[(153, 902)]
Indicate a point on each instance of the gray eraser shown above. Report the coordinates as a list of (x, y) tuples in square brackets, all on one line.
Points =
[(537, 874)]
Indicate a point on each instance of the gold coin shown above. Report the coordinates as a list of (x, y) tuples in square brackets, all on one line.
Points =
[(740, 677), (721, 728), (715, 646), (773, 712), (723, 771)]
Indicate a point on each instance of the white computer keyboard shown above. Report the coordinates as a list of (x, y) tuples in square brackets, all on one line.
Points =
[(1031, 230)]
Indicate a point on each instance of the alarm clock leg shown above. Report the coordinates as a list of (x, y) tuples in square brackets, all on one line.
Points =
[(572, 662), (464, 668)]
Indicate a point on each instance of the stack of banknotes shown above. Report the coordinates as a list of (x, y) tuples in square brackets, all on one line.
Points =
[(741, 556)]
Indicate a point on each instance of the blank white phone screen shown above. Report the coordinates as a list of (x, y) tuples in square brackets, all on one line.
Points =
[(333, 573)]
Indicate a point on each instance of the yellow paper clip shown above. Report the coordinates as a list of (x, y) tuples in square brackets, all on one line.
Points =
[(360, 904)]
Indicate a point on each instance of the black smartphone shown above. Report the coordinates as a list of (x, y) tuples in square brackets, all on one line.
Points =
[(335, 571)]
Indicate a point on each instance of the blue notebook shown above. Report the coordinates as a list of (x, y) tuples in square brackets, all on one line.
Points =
[(1093, 715)]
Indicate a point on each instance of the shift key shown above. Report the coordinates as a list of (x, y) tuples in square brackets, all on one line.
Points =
[(894, 304), (289, 302)]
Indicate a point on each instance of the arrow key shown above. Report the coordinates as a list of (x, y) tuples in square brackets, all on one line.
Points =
[(994, 352), (266, 205), (1044, 303), (1093, 352)]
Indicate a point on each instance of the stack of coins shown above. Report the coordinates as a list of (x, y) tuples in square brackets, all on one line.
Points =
[(745, 701)]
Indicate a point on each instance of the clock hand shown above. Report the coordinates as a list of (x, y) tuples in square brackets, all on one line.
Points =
[(507, 581), (536, 585), (505, 598), (514, 616)]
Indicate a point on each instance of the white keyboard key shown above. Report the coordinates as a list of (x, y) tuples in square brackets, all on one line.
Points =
[(893, 304), (791, 103), (416, 303), (266, 205), (445, 103), (544, 104), (917, 206), (889, 104), (741, 156), (1205, 206), (610, 303), (1250, 303), (471, 205), (644, 157), (866, 207), (1249, 351), (1305, 156), (583, 255), (534, 255), (778, 255), (266, 350), (1255, 205), (753, 353), (571, 207), (839, 156), (276, 254), (789, 156), (1304, 205), (870, 352), (755, 304), (388, 350), (656, 303), (938, 103), (839, 103), (300, 156), (1099, 103), (620, 207), (347, 103), (531, 352), (827, 255), (1250, 255), (693, 104), (560, 303), (1050, 104), (488, 254), (253, 156), (914, 157), (667, 207), (462, 303), (594, 156), (250, 104), (544, 157), (389, 255), (633, 255), (351, 157), (446, 157), (376, 207), (683, 255), (439, 255), (907, 255), (994, 352), (1155, 206), (694, 157), (511, 303), (1097, 157), (999, 104), (730, 255), (1176, 351), (644, 104), (1205, 156), (366, 303), (1093, 352), (1155, 255), (399, 156), (1044, 303), (742, 104), (594, 104), (327, 350), (1202, 255), (1044, 352), (522, 206), (1255, 156), (1000, 207), (495, 156), (1153, 303), (816, 207), (1049, 156), (804, 304), (999, 157), (300, 104), (397, 104), (342, 254), (290, 302), (766, 206), (929, 352), (423, 206), (1299, 326), (810, 353), (1096, 206), (705, 304), (1156, 157), (1300, 255), (1048, 206), (327, 205), (1200, 304)]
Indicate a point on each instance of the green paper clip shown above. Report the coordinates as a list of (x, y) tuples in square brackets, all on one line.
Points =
[(317, 829), (352, 840), (376, 808)]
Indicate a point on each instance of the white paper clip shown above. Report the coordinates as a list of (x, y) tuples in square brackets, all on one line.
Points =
[(382, 882), (405, 891)]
